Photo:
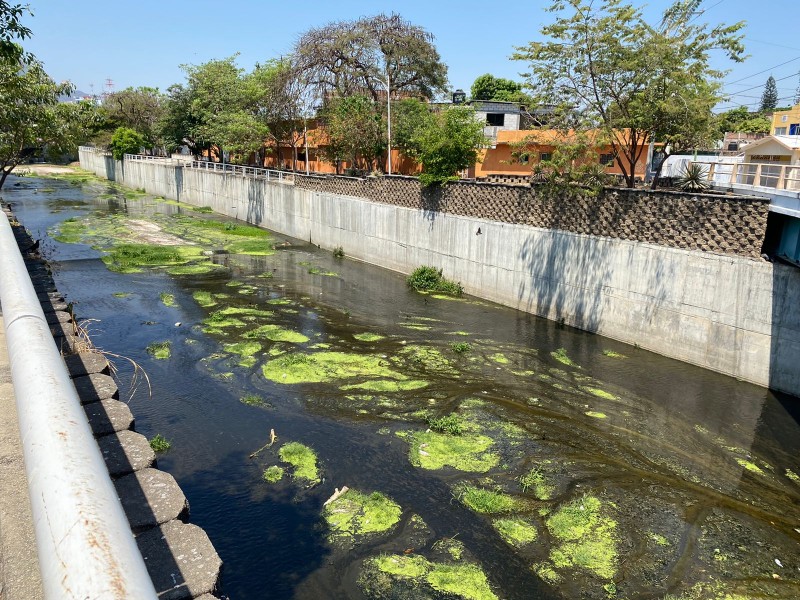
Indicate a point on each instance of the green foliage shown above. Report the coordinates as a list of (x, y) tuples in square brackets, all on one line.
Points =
[(303, 459), (140, 109), (126, 141), (769, 98), (430, 279), (356, 130), (603, 62), (485, 501), (253, 400), (449, 424), (460, 347), (535, 480), (354, 513), (126, 256), (167, 299), (489, 87), (338, 252), (11, 29), (159, 443), (694, 178), (741, 120), (29, 114)]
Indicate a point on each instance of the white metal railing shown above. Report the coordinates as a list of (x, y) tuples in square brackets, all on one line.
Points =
[(768, 175), (86, 548), (268, 174)]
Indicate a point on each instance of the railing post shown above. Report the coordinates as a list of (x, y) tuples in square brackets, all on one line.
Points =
[(757, 178), (711, 168), (734, 173), (782, 178)]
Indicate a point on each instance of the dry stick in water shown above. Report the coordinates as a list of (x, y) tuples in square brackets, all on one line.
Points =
[(272, 438), (336, 494)]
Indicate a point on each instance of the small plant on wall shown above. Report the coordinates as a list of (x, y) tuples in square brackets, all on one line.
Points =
[(693, 179)]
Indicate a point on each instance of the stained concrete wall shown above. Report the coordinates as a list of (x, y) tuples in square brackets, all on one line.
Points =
[(731, 314)]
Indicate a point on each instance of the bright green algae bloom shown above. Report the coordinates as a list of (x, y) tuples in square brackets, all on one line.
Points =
[(466, 581), (160, 350), (273, 474), (354, 513), (276, 333), (486, 501), (368, 337), (303, 459), (466, 452), (516, 531), (327, 366)]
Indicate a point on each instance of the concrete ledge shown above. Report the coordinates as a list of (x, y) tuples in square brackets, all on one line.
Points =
[(96, 387), (151, 497), (195, 563), (126, 452), (87, 363), (108, 416)]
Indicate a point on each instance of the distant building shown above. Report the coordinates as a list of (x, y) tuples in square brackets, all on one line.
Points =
[(735, 142), (786, 122), (498, 116)]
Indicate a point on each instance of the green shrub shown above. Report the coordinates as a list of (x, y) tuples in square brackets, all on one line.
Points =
[(159, 443), (429, 279), (338, 252), (450, 424), (460, 347)]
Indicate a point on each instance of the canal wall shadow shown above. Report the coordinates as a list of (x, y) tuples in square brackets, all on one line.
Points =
[(784, 351)]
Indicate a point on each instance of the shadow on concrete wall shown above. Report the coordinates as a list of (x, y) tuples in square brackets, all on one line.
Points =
[(255, 202), (784, 360)]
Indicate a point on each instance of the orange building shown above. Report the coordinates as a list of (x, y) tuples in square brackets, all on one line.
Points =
[(517, 152)]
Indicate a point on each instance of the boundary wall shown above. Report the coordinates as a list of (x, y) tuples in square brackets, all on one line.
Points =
[(731, 313)]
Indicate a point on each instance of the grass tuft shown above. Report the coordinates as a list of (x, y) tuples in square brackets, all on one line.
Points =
[(430, 279), (159, 443), (160, 350), (485, 501)]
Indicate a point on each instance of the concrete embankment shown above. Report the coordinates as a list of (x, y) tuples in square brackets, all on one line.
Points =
[(179, 557), (676, 274)]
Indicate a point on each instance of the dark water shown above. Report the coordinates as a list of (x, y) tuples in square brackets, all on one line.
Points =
[(669, 459)]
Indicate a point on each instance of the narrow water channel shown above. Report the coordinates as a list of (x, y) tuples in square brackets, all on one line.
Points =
[(514, 458)]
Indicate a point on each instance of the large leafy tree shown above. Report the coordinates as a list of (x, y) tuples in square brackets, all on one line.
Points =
[(12, 29), (489, 87), (444, 142), (29, 120), (356, 131), (633, 80), (355, 57), (741, 120), (126, 141), (140, 108), (769, 98)]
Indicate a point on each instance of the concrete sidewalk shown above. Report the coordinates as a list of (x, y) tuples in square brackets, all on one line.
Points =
[(19, 567)]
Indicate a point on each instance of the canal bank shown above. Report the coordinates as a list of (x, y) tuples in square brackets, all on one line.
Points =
[(676, 274)]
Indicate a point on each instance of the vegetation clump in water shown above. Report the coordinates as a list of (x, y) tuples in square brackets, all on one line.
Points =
[(466, 452), (129, 258), (303, 459), (368, 337), (159, 443), (450, 424), (595, 414), (273, 474), (276, 333), (536, 481), (586, 537), (430, 279), (516, 531), (561, 356), (354, 513), (460, 347), (160, 350), (485, 501), (598, 392), (204, 299), (253, 400), (167, 299)]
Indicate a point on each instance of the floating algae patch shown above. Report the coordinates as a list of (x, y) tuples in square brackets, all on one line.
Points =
[(466, 452), (167, 299), (516, 531), (70, 231), (354, 514), (276, 333), (243, 349), (327, 366), (280, 301), (750, 466), (386, 385), (485, 501), (204, 299), (303, 459), (536, 481), (121, 294), (220, 320), (461, 580), (561, 356), (793, 476), (244, 311), (586, 538), (499, 358), (368, 337), (273, 474), (198, 268), (598, 392), (253, 400), (415, 326), (612, 354), (595, 415), (160, 350), (321, 271), (428, 357), (130, 258)]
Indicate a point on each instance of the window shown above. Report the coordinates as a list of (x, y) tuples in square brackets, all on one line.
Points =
[(496, 119), (546, 156), (524, 158), (733, 146), (607, 160), (780, 131), (794, 129), (784, 118)]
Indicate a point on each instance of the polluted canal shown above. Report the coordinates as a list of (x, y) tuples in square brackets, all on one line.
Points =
[(487, 453)]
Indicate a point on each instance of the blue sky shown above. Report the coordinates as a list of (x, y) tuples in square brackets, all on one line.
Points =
[(144, 42)]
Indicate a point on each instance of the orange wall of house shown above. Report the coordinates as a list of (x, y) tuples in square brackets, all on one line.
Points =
[(498, 161), (401, 165)]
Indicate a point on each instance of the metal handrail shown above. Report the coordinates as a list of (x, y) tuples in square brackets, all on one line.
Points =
[(768, 175), (86, 548), (244, 171)]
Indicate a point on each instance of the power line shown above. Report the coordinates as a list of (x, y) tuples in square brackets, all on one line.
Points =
[(704, 11), (762, 72), (755, 87)]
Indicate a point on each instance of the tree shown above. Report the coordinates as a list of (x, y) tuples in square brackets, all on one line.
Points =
[(444, 142), (489, 87), (355, 129), (355, 57), (126, 141), (769, 98), (28, 116), (11, 29), (633, 80), (740, 120), (221, 109), (140, 108)]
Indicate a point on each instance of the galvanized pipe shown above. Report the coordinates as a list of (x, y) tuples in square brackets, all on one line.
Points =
[(86, 548)]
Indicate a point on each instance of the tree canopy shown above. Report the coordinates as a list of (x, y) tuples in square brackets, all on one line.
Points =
[(12, 29), (355, 130), (489, 87), (741, 120), (354, 57), (634, 80), (140, 108), (769, 98)]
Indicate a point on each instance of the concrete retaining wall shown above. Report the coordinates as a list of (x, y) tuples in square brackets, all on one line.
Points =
[(731, 314)]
